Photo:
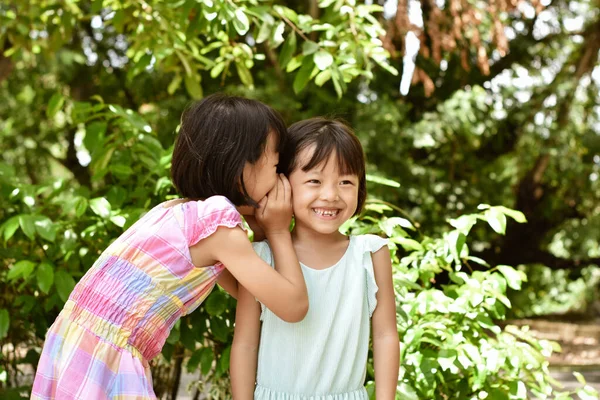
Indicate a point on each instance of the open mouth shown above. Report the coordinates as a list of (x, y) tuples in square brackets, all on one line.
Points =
[(326, 212)]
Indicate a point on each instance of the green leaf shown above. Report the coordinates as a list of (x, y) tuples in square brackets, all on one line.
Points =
[(309, 47), (97, 6), (217, 69), (10, 227), (287, 50), (407, 392), (294, 63), (64, 283), (514, 278), (514, 214), (100, 206), (381, 180), (80, 205), (27, 223), (118, 220), (407, 244), (55, 104), (580, 378), (517, 390), (303, 74), (277, 34), (21, 269), (464, 223), (175, 84), (323, 59), (192, 85), (224, 360), (220, 329), (4, 323), (216, 303), (206, 360), (241, 22), (323, 77), (456, 240), (187, 336), (264, 32), (94, 135), (45, 276), (46, 228), (194, 361), (337, 85), (244, 73), (496, 219), (173, 337)]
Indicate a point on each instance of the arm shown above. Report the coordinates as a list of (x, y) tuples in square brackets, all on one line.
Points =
[(244, 350), (282, 291), (386, 350), (229, 283)]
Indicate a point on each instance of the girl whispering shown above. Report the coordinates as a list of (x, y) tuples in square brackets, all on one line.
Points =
[(349, 281), (121, 312)]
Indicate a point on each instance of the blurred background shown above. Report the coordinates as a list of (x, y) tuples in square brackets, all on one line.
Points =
[(481, 125)]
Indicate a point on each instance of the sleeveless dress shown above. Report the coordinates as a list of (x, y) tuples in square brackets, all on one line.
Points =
[(323, 357), (121, 312)]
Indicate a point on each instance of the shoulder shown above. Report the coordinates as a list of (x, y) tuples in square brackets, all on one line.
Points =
[(204, 218), (370, 243), (217, 205)]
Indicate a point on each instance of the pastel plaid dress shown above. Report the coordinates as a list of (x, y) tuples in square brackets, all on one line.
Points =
[(119, 315)]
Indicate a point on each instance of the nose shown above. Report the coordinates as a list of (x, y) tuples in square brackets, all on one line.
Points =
[(329, 193)]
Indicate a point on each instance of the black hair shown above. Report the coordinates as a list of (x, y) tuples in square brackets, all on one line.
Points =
[(218, 135), (327, 136)]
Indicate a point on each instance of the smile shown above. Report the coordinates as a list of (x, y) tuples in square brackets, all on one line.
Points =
[(326, 212)]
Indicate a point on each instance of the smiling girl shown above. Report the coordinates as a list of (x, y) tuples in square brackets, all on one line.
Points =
[(349, 282)]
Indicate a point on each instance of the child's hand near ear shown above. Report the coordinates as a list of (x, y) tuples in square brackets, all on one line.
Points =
[(274, 214)]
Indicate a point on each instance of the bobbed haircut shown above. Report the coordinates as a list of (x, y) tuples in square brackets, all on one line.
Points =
[(328, 136), (218, 135)]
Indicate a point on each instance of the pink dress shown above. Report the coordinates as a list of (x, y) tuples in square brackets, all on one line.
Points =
[(121, 312)]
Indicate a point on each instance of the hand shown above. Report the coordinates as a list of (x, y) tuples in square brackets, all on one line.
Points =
[(274, 212)]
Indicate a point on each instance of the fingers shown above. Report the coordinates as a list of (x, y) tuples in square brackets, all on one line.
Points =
[(262, 205), (287, 187)]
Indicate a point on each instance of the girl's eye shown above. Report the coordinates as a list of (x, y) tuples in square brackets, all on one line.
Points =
[(316, 181), (347, 183)]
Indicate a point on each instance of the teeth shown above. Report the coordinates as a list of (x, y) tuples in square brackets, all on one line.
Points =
[(327, 213)]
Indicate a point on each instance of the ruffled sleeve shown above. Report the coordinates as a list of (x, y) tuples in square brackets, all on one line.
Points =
[(264, 251), (370, 244), (202, 218)]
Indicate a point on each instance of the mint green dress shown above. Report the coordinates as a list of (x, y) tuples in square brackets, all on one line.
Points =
[(323, 357)]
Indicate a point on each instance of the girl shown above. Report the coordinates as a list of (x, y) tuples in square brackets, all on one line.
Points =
[(120, 313), (349, 282)]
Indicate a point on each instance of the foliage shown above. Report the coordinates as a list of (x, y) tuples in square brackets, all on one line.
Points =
[(93, 90), (555, 292), (451, 345)]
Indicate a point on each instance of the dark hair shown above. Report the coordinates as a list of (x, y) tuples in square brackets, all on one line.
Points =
[(327, 136), (218, 135)]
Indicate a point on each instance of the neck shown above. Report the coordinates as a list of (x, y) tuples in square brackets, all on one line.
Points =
[(316, 239)]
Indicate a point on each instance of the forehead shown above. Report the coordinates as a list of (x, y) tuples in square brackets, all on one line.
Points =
[(304, 157)]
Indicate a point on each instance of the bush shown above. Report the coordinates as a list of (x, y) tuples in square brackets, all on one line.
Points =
[(52, 232)]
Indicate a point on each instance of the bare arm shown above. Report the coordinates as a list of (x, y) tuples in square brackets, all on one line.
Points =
[(284, 294), (229, 283), (282, 290), (244, 350), (386, 350)]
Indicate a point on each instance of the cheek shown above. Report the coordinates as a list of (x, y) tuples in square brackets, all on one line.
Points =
[(351, 197)]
